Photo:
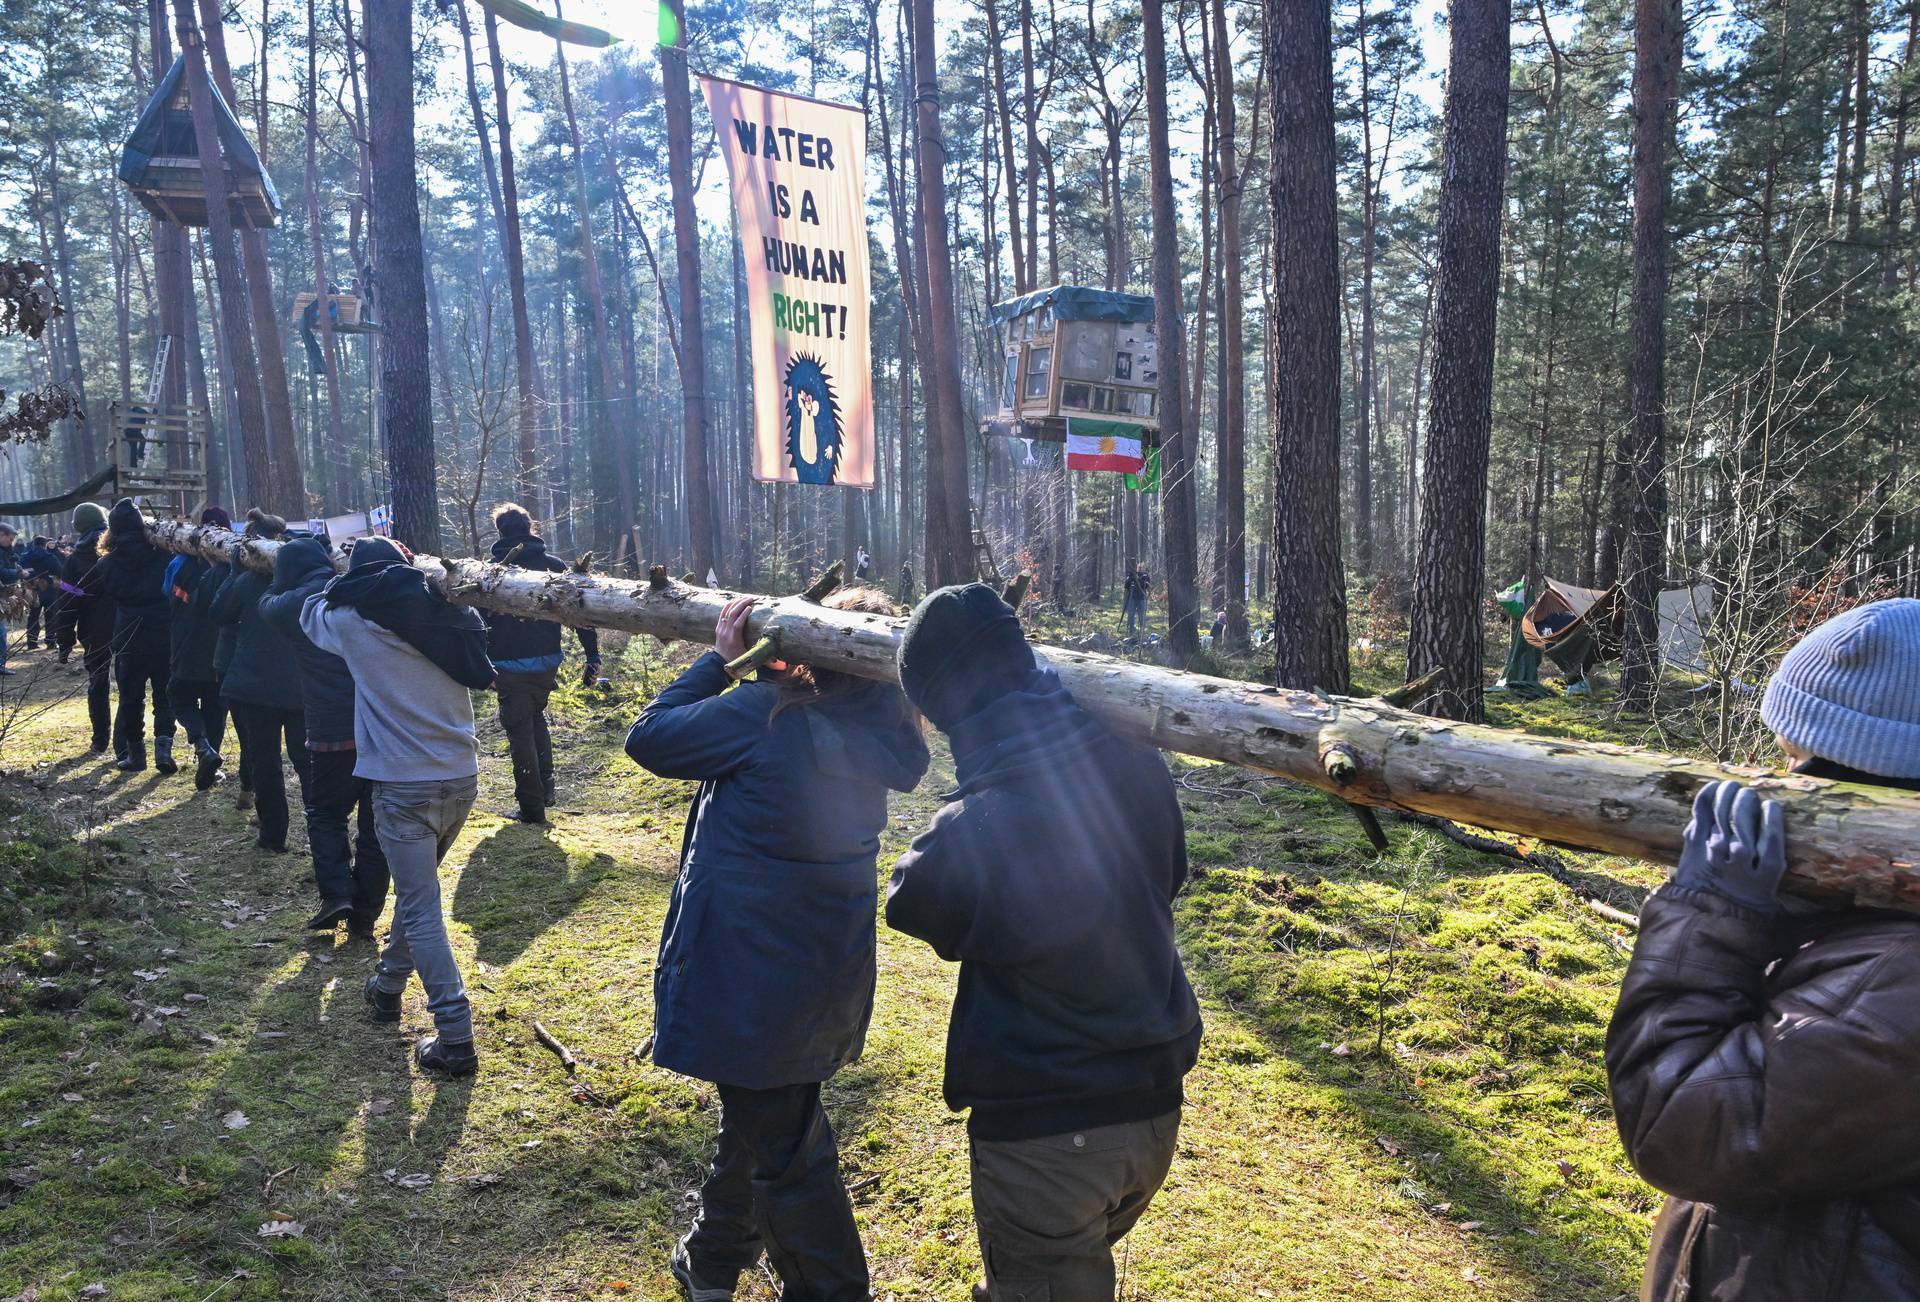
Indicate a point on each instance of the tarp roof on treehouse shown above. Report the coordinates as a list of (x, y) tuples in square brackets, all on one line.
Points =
[(161, 160), (1074, 351)]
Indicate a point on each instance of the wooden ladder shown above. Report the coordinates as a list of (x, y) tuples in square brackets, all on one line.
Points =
[(984, 568)]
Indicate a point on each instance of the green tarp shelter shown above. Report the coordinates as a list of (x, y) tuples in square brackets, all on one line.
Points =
[(1075, 303)]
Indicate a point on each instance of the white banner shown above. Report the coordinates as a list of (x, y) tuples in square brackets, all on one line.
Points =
[(798, 173)]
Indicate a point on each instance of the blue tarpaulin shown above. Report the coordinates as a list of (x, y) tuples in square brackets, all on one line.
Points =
[(1076, 303)]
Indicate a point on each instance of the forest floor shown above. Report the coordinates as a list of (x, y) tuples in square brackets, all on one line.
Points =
[(1400, 1092)]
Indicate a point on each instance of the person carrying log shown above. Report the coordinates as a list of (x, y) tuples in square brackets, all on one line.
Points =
[(1049, 877), (262, 688), (766, 972), (526, 654), (133, 572), (85, 617), (1764, 1053), (192, 687), (414, 659), (350, 871)]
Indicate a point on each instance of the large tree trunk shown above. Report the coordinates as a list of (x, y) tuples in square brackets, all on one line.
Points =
[(1897, 165), (1309, 585), (1657, 44), (1446, 628), (949, 536), (1843, 840), (531, 400), (288, 491), (235, 330), (1177, 447), (329, 349), (1233, 389), (686, 250), (405, 378)]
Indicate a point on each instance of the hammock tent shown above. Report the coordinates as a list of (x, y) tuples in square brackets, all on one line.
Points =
[(161, 160), (1577, 627)]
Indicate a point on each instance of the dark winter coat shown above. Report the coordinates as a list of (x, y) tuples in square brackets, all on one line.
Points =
[(263, 670), (384, 589), (9, 562), (133, 572), (40, 562), (300, 569), (85, 606), (530, 646), (1049, 876), (766, 967), (1766, 1074), (194, 635)]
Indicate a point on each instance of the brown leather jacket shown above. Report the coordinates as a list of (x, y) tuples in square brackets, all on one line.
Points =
[(1766, 1074)]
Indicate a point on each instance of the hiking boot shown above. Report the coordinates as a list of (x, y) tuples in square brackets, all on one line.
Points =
[(551, 796), (522, 816), (435, 1054), (386, 1007), (163, 756), (332, 914), (243, 801), (206, 772), (134, 761), (698, 1289)]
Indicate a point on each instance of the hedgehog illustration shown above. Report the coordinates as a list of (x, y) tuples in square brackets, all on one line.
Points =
[(813, 421)]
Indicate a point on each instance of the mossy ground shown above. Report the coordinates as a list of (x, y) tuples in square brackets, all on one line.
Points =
[(1400, 1093)]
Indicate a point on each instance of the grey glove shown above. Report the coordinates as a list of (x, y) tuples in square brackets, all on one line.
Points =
[(1736, 846)]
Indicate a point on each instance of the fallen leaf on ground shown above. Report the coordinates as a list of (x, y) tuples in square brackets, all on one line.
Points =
[(379, 1107), (282, 1230), (236, 1120)]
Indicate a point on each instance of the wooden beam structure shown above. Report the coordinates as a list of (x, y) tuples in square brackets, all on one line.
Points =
[(1844, 842)]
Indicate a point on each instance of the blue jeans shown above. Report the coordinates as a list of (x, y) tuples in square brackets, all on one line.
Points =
[(417, 822)]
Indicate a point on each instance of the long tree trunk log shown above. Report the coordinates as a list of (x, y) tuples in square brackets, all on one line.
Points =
[(1844, 841)]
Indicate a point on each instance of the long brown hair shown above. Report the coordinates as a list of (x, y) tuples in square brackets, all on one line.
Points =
[(804, 684)]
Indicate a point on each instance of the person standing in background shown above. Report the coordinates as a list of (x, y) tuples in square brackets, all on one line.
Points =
[(40, 570), (526, 656), (9, 573)]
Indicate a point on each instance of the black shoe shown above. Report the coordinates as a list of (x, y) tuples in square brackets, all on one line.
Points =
[(332, 914), (163, 756), (101, 747), (206, 772), (386, 1007), (522, 816), (551, 796), (434, 1054), (268, 847), (698, 1289), (134, 761)]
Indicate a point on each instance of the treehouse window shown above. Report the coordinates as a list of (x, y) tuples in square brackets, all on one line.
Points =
[(1132, 402), (1074, 395), (1123, 366), (1102, 399), (1044, 326), (1007, 386), (1039, 372)]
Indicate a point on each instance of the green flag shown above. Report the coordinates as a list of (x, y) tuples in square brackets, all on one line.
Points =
[(1150, 482)]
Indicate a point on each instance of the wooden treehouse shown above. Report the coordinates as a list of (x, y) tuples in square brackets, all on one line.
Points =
[(348, 312), (161, 161), (1074, 351), (159, 450)]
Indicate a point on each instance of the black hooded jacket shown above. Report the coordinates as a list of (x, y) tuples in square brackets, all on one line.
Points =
[(300, 569), (384, 589), (1049, 877), (85, 606), (262, 670), (133, 570), (530, 645), (194, 635)]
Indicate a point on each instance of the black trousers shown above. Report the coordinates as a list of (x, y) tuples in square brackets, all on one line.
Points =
[(199, 709), (34, 603), (775, 1183), (134, 672), (99, 663), (344, 867), (523, 717), (264, 731)]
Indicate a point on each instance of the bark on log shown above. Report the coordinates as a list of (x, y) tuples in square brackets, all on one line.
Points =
[(1843, 841)]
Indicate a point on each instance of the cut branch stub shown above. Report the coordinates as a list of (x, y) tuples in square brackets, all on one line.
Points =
[(1407, 693), (1016, 591), (822, 587), (657, 577), (767, 648)]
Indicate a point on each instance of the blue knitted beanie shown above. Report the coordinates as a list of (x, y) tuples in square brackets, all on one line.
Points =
[(1850, 691)]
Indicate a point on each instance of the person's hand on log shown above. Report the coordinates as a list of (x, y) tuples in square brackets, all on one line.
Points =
[(590, 676), (730, 636), (1736, 846)]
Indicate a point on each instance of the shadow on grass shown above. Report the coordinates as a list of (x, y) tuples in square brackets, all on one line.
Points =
[(517, 883)]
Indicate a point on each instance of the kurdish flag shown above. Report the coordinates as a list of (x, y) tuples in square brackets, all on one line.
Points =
[(1110, 445)]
